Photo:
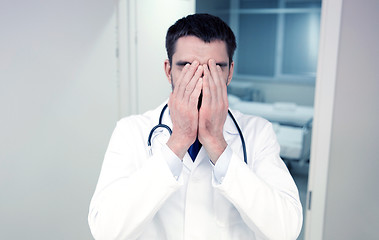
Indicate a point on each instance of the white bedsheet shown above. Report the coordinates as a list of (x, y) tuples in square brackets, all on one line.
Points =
[(290, 140), (294, 141), (282, 112)]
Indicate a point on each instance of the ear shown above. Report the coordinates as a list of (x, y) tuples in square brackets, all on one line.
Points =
[(167, 69), (230, 76)]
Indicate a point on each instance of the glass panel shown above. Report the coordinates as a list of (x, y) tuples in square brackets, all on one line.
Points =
[(258, 4), (303, 4), (257, 41), (300, 47), (218, 8)]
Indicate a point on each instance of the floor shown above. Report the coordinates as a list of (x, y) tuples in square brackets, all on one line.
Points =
[(300, 175)]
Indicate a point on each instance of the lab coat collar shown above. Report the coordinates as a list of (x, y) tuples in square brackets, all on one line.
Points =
[(166, 116), (166, 119), (229, 126), (230, 131)]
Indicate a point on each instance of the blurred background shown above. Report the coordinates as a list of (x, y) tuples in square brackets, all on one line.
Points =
[(70, 69), (275, 70), (58, 106)]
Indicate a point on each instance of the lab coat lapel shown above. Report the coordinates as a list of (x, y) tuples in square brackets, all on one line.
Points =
[(230, 132), (166, 118), (201, 156), (187, 162), (230, 129)]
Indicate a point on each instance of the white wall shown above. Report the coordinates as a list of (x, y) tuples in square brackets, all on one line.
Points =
[(352, 197), (344, 159), (153, 20), (144, 84), (58, 101)]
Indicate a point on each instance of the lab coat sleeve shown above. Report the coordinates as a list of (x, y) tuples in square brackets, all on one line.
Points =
[(221, 166), (263, 192), (131, 187), (173, 161)]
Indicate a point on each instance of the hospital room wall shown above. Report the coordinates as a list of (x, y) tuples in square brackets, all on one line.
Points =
[(352, 195), (58, 101), (143, 83)]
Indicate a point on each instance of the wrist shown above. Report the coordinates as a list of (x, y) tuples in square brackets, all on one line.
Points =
[(215, 147), (178, 145)]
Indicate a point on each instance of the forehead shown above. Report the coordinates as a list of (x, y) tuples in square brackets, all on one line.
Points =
[(190, 48)]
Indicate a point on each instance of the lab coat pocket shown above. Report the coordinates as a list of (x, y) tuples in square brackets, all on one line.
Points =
[(225, 212)]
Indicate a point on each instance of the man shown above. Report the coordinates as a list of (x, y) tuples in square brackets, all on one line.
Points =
[(175, 192)]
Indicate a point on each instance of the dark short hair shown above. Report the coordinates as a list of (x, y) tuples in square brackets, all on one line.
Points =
[(204, 26)]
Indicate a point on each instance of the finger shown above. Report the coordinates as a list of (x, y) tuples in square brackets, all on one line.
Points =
[(192, 83), (194, 97), (179, 81), (206, 86), (214, 72), (213, 80), (223, 84), (187, 77), (217, 75)]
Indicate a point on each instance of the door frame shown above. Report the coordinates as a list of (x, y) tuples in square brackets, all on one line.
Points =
[(323, 117)]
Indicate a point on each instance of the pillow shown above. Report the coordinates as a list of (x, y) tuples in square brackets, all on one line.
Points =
[(285, 106), (233, 99)]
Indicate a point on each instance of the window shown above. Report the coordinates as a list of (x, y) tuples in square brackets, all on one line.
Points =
[(278, 39)]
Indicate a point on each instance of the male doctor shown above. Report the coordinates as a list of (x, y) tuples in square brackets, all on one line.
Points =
[(195, 183)]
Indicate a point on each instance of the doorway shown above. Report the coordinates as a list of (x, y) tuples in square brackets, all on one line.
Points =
[(275, 70)]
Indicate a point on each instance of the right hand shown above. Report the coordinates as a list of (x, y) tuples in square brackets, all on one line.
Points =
[(183, 108)]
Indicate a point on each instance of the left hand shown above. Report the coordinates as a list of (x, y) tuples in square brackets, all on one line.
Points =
[(213, 111)]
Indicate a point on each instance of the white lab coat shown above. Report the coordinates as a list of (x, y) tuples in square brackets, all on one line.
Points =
[(138, 197)]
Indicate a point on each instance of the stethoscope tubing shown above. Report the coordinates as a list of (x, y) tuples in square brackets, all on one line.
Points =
[(241, 136)]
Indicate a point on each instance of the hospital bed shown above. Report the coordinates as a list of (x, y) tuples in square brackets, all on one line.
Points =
[(292, 124)]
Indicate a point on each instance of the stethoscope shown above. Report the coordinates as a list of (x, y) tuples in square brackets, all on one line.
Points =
[(160, 124)]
